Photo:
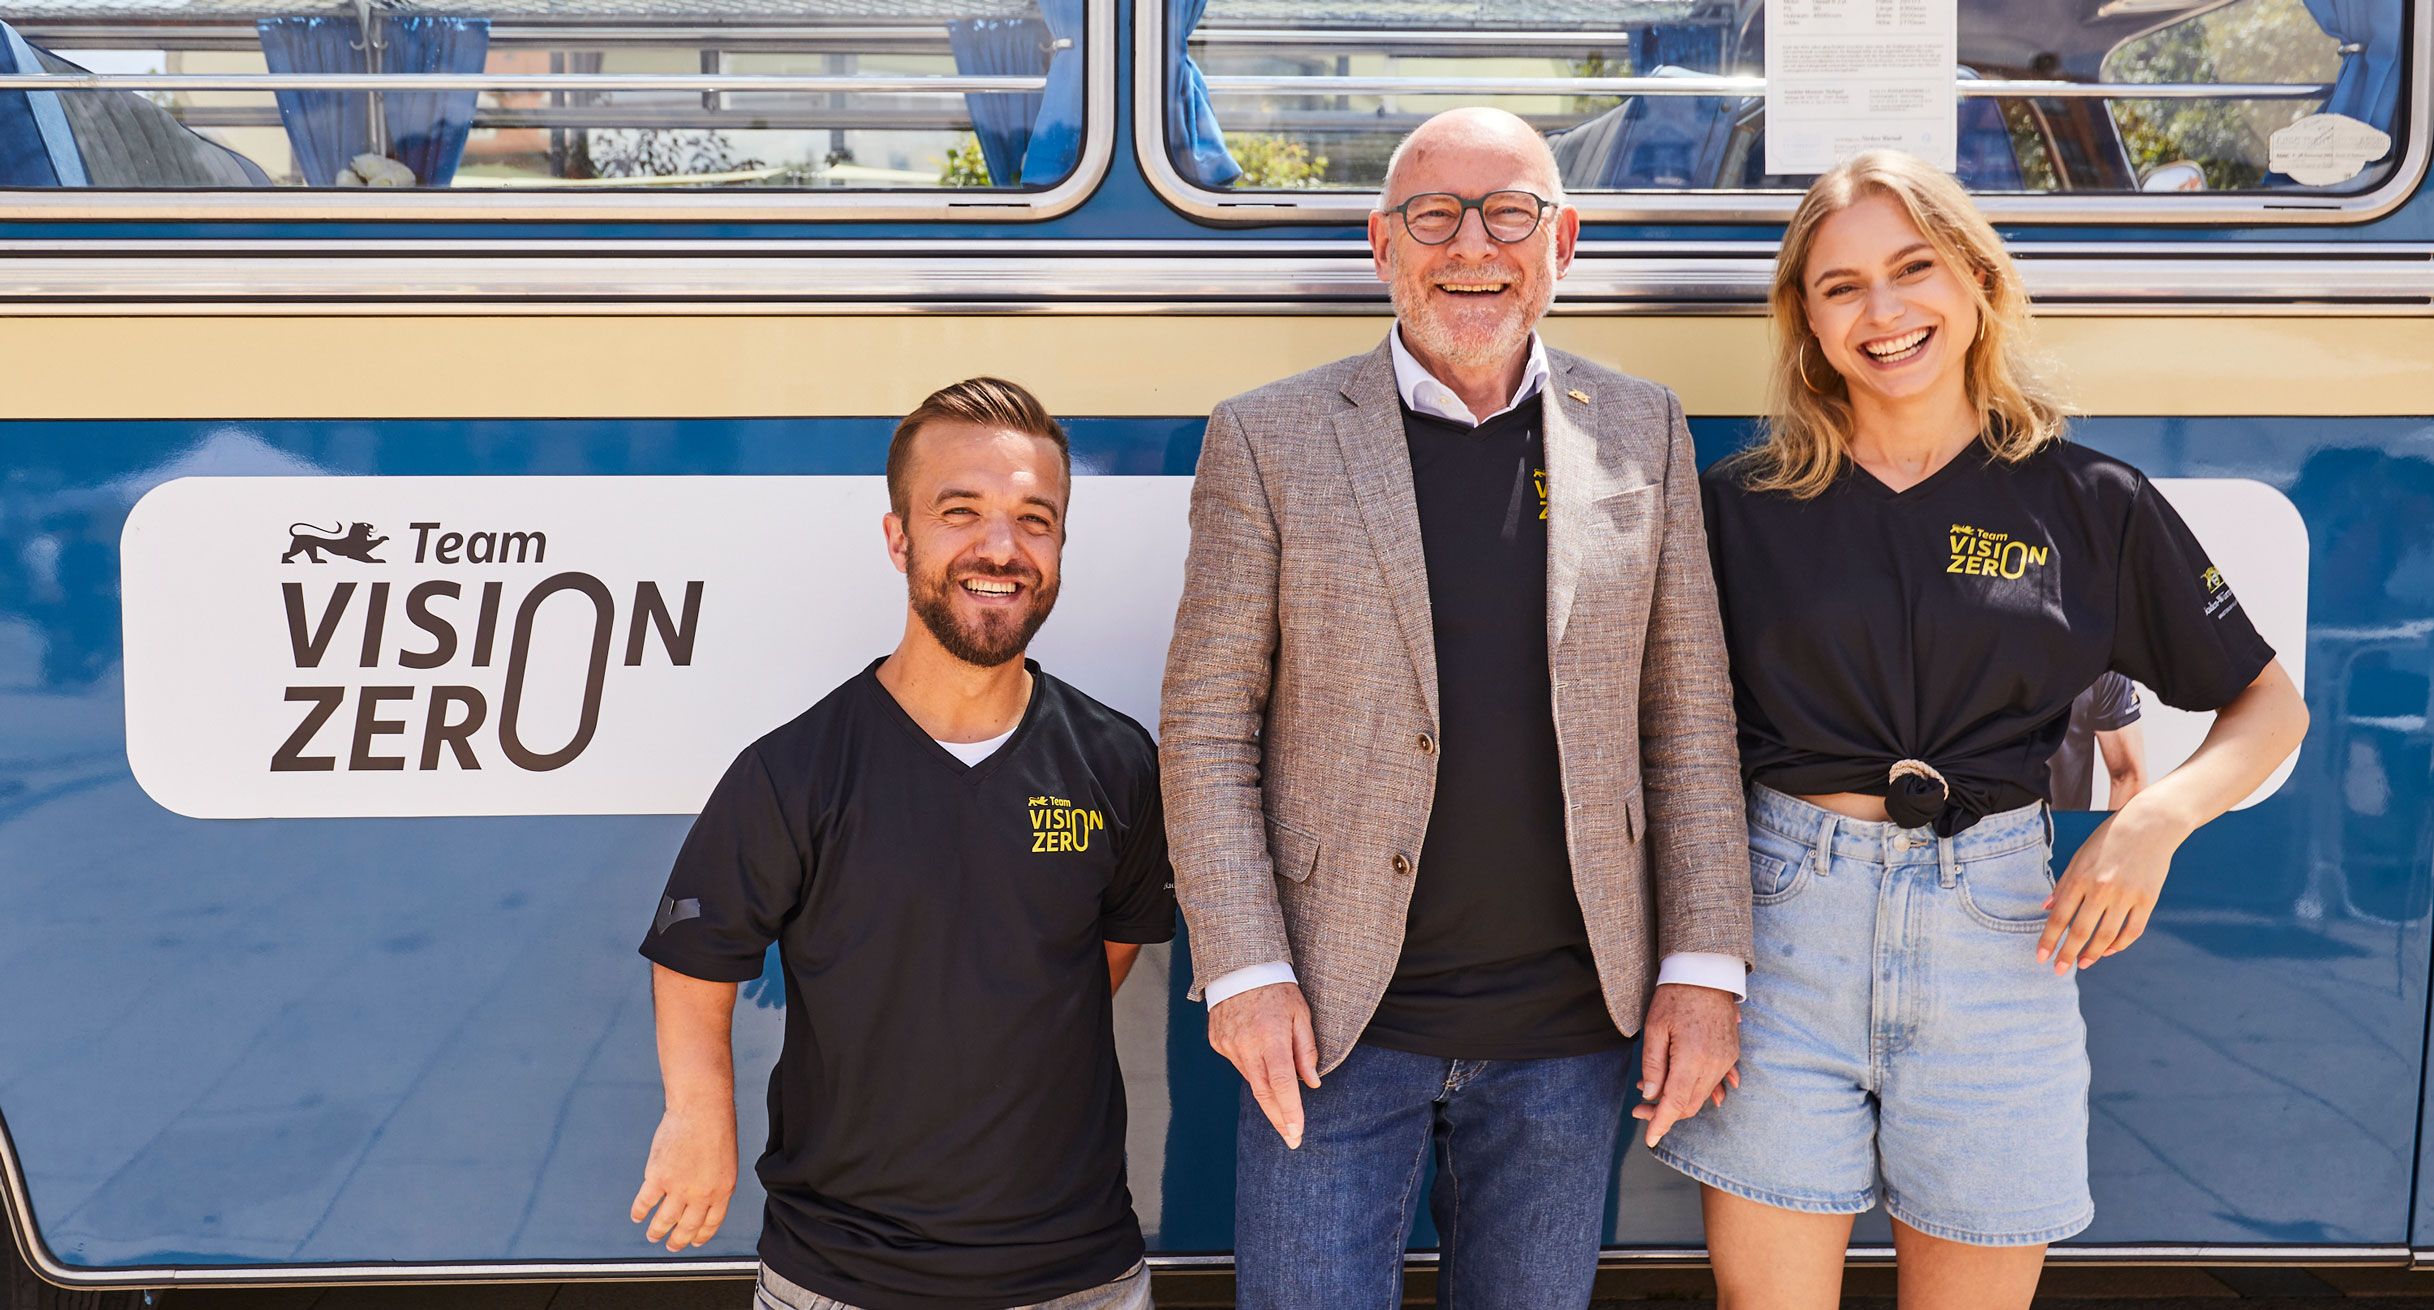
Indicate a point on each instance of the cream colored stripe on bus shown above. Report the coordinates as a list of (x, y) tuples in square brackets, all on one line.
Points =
[(608, 366)]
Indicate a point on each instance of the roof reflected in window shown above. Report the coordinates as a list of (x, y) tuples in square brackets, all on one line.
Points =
[(638, 96), (1668, 95)]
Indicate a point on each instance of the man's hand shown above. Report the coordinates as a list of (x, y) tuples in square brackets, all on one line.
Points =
[(690, 1176), (1266, 1033), (691, 1172), (1687, 1054)]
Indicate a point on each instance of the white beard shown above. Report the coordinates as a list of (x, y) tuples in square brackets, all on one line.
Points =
[(1469, 344)]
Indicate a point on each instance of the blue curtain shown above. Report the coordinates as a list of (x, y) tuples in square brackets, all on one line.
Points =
[(427, 129), (1001, 47), (1193, 139), (36, 146), (1699, 47), (2368, 88), (1056, 135), (23, 160), (1983, 155), (324, 128)]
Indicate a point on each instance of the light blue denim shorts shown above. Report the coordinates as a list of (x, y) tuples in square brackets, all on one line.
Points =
[(1899, 1032)]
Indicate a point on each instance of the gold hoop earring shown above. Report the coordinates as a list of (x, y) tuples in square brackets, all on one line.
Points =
[(1803, 362)]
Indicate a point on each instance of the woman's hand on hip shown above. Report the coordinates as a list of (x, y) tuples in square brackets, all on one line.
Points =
[(2102, 901)]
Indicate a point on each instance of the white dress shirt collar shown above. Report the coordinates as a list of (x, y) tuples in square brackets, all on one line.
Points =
[(1425, 394)]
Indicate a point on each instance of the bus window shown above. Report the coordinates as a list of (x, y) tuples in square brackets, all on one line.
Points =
[(803, 98), (1658, 106), (2251, 41)]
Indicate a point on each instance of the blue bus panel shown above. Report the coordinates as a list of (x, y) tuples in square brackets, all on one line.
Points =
[(351, 1040)]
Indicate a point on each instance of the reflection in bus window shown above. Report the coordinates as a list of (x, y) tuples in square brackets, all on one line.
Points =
[(102, 138), (1317, 95), (645, 94), (2245, 41)]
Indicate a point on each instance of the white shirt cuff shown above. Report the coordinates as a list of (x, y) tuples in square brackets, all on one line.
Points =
[(1261, 975), (1725, 973)]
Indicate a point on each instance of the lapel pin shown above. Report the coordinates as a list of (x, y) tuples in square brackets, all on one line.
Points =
[(1581, 396)]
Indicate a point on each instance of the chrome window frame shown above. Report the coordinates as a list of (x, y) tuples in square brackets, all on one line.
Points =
[(331, 204), (2205, 209), (1208, 276)]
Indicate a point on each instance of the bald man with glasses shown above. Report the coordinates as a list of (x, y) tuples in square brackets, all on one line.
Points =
[(1448, 753)]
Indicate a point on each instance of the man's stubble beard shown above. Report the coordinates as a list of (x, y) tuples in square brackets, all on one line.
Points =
[(1442, 340), (996, 639)]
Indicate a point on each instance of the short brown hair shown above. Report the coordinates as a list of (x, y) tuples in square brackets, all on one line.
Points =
[(988, 402)]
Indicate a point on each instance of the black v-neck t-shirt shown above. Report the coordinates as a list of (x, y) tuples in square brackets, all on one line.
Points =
[(1495, 962), (946, 1119), (1956, 621)]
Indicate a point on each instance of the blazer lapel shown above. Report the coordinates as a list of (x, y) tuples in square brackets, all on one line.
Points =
[(1378, 460), (1573, 486)]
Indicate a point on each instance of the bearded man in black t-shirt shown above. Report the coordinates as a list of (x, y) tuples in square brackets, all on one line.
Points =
[(958, 857)]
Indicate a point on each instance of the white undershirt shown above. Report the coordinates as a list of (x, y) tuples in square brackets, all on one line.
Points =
[(973, 752), (1423, 392)]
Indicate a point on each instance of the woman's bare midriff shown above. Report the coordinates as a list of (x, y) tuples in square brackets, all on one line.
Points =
[(1851, 805)]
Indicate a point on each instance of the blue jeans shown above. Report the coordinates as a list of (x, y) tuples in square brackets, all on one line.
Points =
[(1900, 1039), (1525, 1153)]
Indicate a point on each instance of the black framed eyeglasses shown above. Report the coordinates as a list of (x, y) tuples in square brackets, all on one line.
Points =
[(1433, 217)]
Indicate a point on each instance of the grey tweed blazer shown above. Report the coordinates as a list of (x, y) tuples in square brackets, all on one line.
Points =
[(1298, 728)]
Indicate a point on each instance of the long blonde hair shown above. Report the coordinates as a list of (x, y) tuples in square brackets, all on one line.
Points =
[(1808, 428)]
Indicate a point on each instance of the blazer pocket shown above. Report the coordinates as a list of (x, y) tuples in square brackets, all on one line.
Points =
[(1292, 851), (1633, 509)]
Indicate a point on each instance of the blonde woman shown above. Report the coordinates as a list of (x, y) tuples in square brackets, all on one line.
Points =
[(1918, 574)]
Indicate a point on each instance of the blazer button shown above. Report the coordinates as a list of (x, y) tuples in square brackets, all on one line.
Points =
[(1428, 744), (1402, 864)]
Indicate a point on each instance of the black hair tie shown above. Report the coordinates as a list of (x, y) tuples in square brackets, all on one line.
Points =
[(1914, 793)]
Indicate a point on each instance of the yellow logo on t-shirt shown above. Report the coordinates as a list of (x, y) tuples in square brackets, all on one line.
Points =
[(1058, 824), (1539, 478), (1977, 552)]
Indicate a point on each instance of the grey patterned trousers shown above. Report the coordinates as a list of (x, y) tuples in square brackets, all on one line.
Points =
[(1130, 1292)]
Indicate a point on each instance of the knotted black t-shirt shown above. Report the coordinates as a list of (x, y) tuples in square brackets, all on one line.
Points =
[(946, 1119), (1955, 622)]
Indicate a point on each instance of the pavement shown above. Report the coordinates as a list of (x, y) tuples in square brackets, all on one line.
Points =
[(2247, 1287)]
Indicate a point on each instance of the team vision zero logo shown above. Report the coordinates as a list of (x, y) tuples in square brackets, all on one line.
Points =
[(401, 656), (309, 541), (1058, 824)]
